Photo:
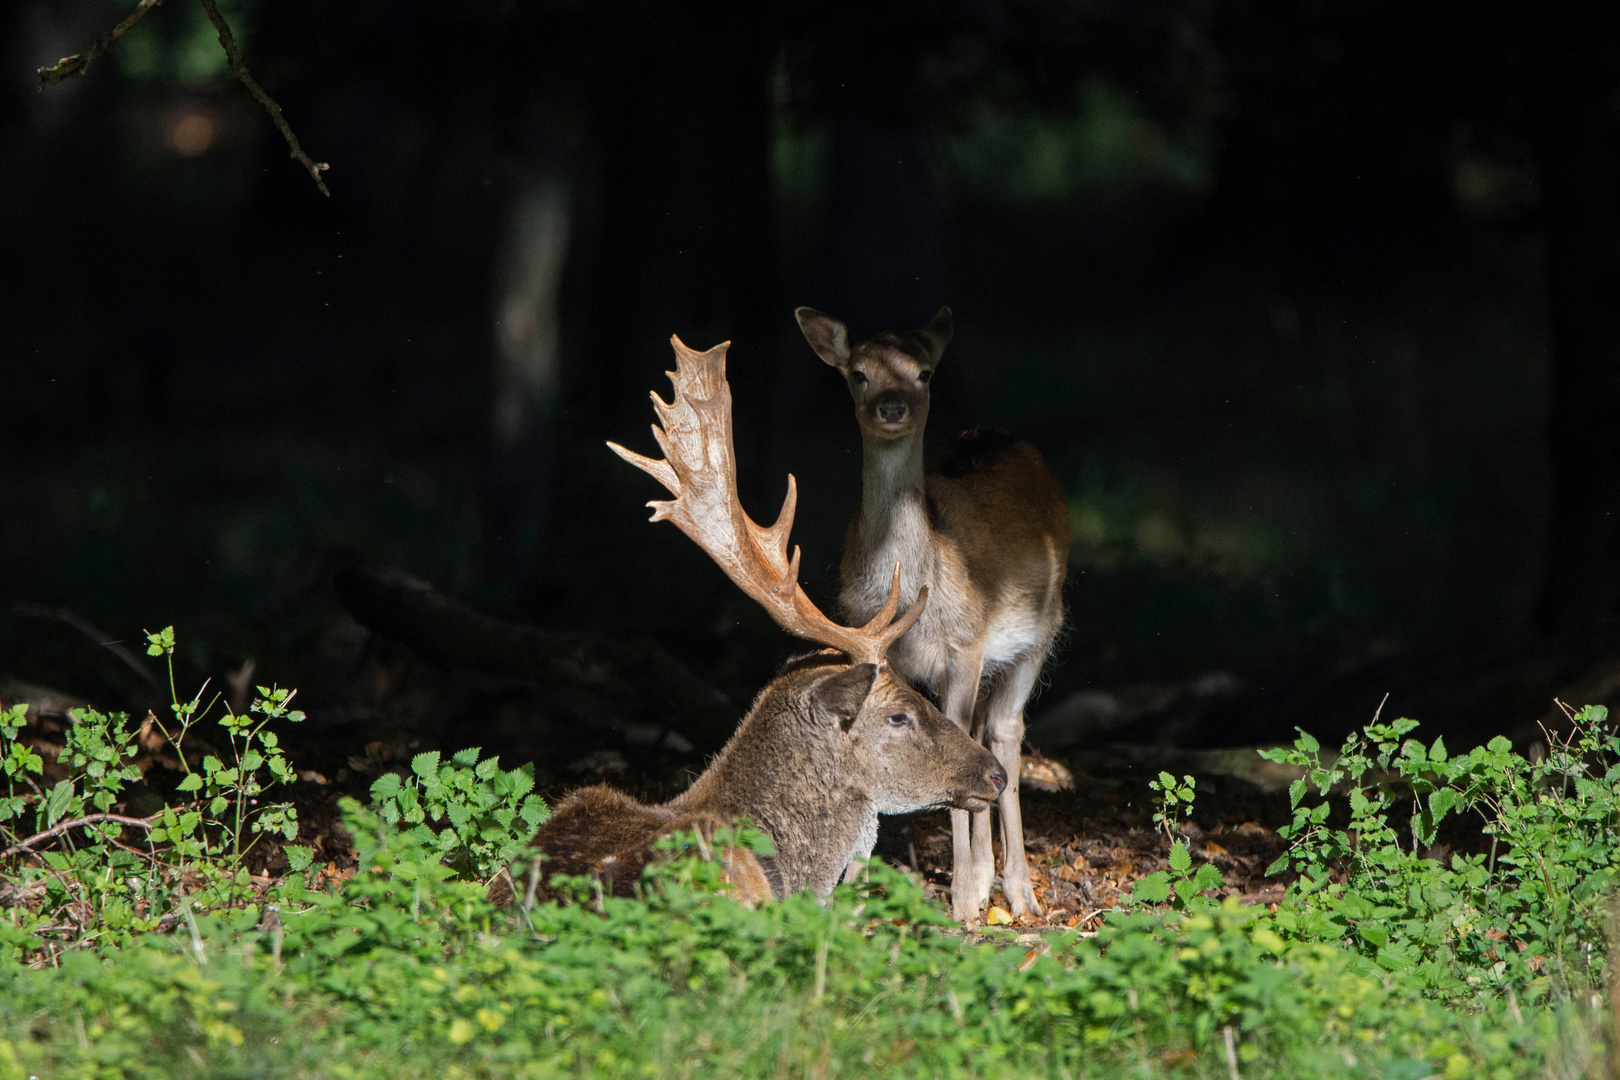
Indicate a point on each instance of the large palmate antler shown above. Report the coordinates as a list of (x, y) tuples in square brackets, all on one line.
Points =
[(700, 470)]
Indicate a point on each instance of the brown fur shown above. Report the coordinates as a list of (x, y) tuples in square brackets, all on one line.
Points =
[(603, 832), (996, 500)]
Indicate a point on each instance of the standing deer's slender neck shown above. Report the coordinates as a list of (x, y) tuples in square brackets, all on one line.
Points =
[(894, 513)]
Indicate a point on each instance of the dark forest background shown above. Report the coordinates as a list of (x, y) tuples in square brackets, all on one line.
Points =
[(1314, 308)]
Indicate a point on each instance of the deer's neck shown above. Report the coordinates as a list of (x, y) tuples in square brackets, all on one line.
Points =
[(893, 522), (785, 775)]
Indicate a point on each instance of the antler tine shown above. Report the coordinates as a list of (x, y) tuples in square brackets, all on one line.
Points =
[(897, 629), (775, 538), (699, 469), (658, 470), (885, 614)]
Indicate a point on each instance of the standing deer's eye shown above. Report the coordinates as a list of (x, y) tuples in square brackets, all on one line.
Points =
[(859, 377), (924, 375), (899, 719)]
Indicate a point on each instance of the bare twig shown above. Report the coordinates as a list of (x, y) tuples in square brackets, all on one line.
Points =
[(68, 617), (73, 823), (228, 41), (79, 63)]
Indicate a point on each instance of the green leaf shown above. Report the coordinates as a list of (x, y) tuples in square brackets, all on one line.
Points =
[(191, 782), (1307, 742), (467, 757), (57, 803), (1296, 791), (536, 812), (385, 786), (426, 765), (521, 780), (1152, 889), (1180, 857)]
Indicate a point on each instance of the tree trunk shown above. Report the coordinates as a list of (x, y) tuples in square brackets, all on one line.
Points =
[(528, 277)]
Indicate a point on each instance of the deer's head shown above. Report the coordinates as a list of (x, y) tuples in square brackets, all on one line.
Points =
[(901, 749), (888, 374)]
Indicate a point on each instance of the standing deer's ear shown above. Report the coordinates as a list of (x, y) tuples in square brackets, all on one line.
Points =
[(826, 335), (938, 331), (843, 694)]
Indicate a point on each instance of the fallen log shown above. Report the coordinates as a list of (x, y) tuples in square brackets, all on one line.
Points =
[(639, 680)]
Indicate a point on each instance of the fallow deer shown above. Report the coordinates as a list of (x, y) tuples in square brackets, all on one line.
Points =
[(832, 742), (984, 529)]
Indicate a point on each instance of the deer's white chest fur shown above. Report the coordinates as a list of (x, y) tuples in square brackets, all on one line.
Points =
[(957, 616)]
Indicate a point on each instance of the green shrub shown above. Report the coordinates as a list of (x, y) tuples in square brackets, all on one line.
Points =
[(76, 883), (406, 970), (489, 814), (1528, 916), (163, 962)]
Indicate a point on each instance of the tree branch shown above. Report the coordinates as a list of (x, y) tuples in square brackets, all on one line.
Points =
[(79, 63), (69, 617), (63, 826), (638, 678), (228, 41)]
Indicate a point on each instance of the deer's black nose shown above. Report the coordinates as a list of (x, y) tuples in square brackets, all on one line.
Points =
[(891, 408), (998, 778)]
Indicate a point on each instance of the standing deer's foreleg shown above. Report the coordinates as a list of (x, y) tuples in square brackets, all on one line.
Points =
[(984, 848), (1006, 741), (957, 695)]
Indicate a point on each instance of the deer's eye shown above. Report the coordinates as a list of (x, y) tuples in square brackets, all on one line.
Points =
[(899, 719), (924, 375), (859, 377)]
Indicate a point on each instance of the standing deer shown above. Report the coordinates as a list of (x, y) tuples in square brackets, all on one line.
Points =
[(984, 529), (832, 742)]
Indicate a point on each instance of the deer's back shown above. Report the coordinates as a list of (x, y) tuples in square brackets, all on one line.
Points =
[(596, 824), (992, 498)]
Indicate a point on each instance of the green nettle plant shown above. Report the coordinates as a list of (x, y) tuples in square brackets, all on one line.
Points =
[(229, 804), (78, 881), (1182, 885), (1527, 915), (489, 813)]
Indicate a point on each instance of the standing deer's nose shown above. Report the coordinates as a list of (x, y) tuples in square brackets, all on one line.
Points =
[(891, 408), (998, 778)]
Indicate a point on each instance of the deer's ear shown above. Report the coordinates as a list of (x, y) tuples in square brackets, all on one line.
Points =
[(843, 694), (938, 331), (826, 335)]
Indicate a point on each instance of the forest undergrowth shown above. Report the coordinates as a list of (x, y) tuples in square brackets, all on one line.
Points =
[(193, 931)]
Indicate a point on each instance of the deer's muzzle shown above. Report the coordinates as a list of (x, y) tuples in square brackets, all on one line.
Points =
[(891, 408), (988, 788)]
